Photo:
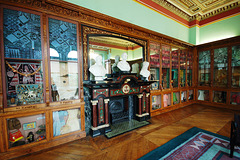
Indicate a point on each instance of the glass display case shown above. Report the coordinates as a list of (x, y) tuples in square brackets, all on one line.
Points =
[(66, 121), (235, 98), (25, 130), (190, 95), (219, 96), (220, 67), (156, 102), (204, 66), (63, 60), (176, 98), (165, 66), (189, 68), (236, 66), (183, 96), (154, 64), (23, 57), (166, 100), (203, 95), (183, 68), (174, 67)]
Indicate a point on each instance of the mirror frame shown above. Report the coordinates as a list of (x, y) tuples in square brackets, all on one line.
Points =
[(91, 31)]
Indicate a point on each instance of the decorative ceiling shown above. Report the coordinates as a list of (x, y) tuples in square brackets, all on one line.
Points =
[(190, 10)]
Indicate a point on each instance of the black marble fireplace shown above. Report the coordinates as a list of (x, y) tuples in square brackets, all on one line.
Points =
[(118, 99)]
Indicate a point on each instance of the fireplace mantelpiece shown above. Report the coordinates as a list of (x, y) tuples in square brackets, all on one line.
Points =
[(114, 87)]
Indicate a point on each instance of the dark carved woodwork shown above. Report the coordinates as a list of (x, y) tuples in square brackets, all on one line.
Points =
[(116, 89)]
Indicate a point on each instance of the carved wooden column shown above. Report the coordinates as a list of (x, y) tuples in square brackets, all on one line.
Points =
[(94, 112), (140, 104), (106, 111), (147, 103)]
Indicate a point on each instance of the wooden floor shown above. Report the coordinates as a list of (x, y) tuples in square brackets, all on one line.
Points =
[(134, 144)]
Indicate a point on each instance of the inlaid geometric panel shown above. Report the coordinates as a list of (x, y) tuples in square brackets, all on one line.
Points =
[(62, 38), (22, 35)]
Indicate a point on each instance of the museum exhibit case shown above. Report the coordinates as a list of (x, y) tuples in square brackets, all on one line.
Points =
[(218, 73), (39, 50), (183, 68), (47, 49)]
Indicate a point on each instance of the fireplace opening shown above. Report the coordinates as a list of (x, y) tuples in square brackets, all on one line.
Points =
[(121, 109)]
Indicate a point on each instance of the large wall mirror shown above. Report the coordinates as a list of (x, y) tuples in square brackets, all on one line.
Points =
[(110, 46)]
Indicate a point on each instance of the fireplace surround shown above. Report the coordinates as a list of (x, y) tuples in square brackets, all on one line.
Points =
[(118, 98)]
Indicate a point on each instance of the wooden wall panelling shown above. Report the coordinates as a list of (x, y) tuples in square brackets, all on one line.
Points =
[(2, 144), (160, 69)]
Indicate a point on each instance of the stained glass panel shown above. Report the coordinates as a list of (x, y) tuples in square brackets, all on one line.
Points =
[(22, 35)]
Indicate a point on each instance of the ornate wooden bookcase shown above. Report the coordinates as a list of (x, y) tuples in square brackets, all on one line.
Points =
[(175, 85), (173, 65), (218, 74)]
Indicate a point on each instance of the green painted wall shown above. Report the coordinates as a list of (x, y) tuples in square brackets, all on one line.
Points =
[(135, 13), (220, 30)]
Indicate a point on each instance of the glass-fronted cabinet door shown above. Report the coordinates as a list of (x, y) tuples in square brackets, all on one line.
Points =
[(204, 66), (189, 68), (165, 66), (63, 60), (175, 65), (220, 67), (23, 57), (154, 64), (183, 68), (236, 66)]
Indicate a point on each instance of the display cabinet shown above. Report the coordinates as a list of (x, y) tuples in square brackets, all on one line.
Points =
[(203, 95), (189, 68), (167, 100), (41, 102), (219, 96), (175, 66), (190, 94), (155, 64), (184, 97), (220, 67), (166, 66), (235, 66), (156, 102), (23, 58), (26, 130), (235, 98), (204, 66), (218, 73), (183, 61), (176, 98)]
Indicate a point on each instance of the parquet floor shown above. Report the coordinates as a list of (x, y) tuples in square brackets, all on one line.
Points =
[(134, 144)]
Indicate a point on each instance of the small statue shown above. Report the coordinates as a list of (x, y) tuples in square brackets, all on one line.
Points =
[(114, 66), (98, 69), (135, 68), (144, 71), (123, 64), (30, 137)]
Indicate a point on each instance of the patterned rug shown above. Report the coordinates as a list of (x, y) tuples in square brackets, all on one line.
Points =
[(123, 127), (194, 144)]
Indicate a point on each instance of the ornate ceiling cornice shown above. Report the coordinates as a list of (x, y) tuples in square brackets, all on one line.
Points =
[(190, 10)]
